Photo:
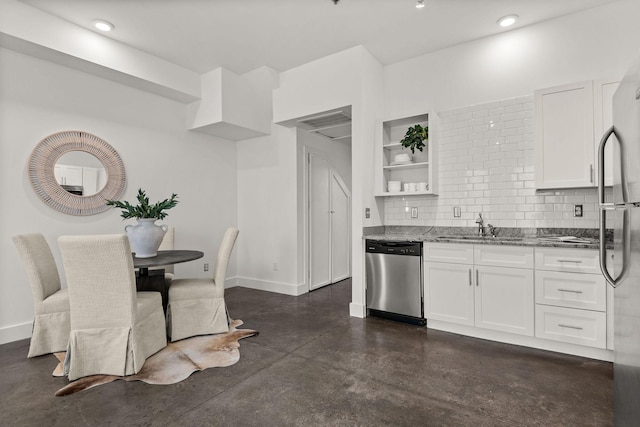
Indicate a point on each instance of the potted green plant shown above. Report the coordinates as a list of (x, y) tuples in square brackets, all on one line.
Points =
[(415, 137), (146, 236)]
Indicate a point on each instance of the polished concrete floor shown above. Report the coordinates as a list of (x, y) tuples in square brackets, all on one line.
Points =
[(313, 365)]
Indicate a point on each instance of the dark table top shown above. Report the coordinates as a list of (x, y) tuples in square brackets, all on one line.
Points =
[(167, 258)]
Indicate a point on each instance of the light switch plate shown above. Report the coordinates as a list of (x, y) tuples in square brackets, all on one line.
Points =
[(457, 212), (414, 212), (367, 212)]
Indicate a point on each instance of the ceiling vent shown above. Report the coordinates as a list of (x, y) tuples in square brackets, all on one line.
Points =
[(334, 125)]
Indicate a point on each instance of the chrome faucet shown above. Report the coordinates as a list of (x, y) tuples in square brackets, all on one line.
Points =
[(480, 223), (492, 230)]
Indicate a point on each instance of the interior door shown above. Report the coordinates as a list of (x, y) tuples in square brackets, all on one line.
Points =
[(319, 221), (340, 230)]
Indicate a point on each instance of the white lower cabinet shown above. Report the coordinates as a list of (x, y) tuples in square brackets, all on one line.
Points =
[(504, 299), (449, 292), (484, 296), (552, 298)]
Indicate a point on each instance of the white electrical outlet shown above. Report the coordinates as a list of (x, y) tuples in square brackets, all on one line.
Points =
[(414, 212), (206, 266)]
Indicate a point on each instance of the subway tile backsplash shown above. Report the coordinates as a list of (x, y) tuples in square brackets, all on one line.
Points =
[(487, 164)]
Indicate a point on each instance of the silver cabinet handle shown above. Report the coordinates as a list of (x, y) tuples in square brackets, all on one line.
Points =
[(470, 279), (577, 261), (604, 207), (477, 278), (579, 328), (570, 290)]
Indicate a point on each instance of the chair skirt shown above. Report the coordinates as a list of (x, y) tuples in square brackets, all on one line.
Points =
[(198, 316), (128, 346)]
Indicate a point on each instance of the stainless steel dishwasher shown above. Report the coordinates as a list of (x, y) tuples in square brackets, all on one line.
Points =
[(394, 280)]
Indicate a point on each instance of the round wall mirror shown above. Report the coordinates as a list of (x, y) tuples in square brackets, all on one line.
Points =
[(76, 172)]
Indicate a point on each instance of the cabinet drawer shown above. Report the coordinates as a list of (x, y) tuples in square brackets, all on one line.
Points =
[(448, 252), (588, 291), (572, 260), (571, 325), (503, 256)]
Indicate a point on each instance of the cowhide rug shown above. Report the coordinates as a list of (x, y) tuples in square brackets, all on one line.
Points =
[(173, 363)]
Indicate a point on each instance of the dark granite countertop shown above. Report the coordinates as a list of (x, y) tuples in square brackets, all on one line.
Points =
[(589, 238)]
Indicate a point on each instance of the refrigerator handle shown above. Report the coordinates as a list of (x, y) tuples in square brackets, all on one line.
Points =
[(604, 207), (601, 166)]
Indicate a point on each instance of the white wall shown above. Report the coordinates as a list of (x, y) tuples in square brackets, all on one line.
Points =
[(267, 212), (38, 98), (597, 43)]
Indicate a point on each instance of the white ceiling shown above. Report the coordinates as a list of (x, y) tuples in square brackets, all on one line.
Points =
[(242, 35)]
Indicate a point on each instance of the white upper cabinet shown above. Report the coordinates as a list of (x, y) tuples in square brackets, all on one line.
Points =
[(564, 144), (68, 174), (570, 120)]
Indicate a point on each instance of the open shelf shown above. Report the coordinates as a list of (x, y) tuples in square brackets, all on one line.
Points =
[(423, 167)]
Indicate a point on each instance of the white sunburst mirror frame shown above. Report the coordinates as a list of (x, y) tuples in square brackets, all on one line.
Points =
[(41, 172)]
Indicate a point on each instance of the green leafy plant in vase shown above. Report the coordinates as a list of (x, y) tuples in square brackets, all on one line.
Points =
[(415, 137), (146, 236)]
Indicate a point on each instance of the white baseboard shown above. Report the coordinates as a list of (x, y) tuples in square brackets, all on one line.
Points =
[(15, 332), (277, 287)]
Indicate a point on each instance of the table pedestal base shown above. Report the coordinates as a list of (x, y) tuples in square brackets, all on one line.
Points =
[(153, 280)]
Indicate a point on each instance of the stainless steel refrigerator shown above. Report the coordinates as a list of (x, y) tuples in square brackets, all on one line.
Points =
[(625, 277)]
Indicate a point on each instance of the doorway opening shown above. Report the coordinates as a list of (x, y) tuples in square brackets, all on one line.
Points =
[(327, 198)]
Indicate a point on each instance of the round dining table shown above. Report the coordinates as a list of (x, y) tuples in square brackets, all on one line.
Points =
[(153, 280)]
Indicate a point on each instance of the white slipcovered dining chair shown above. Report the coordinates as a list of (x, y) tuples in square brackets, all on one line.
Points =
[(196, 306), (113, 328), (50, 302)]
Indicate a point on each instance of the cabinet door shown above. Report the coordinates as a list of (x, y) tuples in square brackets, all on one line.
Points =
[(68, 174), (603, 115), (58, 172), (73, 175), (564, 145), (575, 290), (448, 292), (584, 327), (89, 181), (569, 260), (504, 299)]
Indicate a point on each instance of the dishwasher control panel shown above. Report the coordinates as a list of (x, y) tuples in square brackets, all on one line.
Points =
[(393, 247)]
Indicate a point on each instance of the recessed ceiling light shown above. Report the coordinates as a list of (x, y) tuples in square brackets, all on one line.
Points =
[(507, 21), (420, 4), (103, 25)]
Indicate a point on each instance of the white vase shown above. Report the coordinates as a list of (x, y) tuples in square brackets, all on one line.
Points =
[(145, 238)]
